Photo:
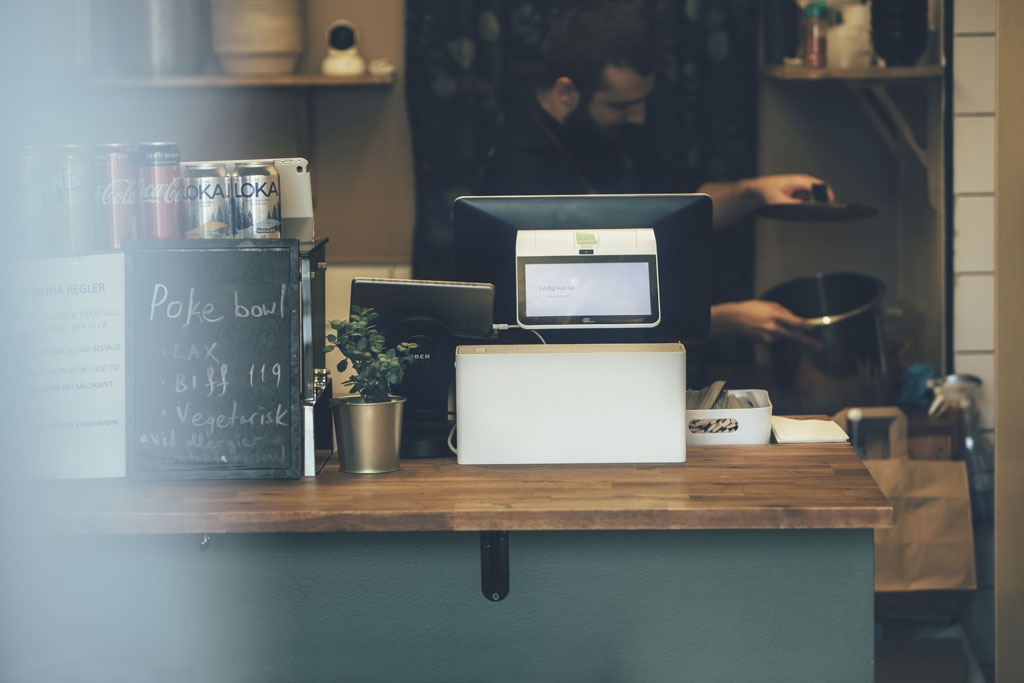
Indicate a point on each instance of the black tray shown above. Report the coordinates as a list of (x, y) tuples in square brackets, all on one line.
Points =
[(817, 211)]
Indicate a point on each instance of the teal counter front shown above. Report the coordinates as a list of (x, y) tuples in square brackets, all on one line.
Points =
[(746, 563)]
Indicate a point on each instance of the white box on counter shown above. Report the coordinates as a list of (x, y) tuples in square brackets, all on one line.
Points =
[(570, 403), (732, 425)]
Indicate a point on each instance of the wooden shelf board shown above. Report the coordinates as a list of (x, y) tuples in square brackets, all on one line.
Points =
[(255, 81), (787, 72)]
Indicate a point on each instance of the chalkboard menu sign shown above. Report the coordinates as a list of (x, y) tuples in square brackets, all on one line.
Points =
[(213, 359)]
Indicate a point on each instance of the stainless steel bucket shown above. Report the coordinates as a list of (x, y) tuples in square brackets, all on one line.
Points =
[(851, 368)]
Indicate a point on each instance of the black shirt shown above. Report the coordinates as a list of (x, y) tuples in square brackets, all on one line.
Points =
[(537, 155)]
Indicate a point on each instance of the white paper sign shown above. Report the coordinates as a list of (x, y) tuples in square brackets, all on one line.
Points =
[(72, 310)]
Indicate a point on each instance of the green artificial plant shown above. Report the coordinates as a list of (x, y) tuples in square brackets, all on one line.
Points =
[(376, 368)]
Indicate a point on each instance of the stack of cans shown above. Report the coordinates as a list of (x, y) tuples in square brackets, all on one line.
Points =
[(77, 199), (245, 202)]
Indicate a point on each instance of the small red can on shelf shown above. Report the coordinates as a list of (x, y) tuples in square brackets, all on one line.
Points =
[(159, 190)]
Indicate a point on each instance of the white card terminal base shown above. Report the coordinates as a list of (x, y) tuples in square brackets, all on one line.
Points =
[(570, 403)]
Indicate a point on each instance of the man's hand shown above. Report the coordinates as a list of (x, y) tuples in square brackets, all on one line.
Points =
[(788, 188), (735, 200), (764, 320)]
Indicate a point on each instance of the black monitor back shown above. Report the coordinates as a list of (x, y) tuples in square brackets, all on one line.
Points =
[(485, 246)]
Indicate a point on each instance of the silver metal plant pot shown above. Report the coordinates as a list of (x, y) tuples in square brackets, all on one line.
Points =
[(368, 434)]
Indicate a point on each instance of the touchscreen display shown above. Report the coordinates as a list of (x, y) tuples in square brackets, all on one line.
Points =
[(587, 289)]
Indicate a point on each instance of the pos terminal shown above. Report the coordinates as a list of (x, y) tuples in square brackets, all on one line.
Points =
[(613, 282)]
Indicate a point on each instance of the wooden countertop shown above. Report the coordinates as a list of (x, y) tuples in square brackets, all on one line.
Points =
[(718, 487)]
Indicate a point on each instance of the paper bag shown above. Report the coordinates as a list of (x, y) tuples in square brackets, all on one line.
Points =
[(931, 543), (930, 546)]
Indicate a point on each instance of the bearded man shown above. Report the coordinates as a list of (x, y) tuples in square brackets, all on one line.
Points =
[(583, 133)]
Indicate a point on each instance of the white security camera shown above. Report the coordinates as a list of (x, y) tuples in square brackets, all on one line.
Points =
[(343, 58)]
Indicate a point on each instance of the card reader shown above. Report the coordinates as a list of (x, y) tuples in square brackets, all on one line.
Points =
[(574, 279)]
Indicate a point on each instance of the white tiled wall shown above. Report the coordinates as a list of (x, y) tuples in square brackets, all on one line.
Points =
[(974, 146), (974, 16), (975, 55), (974, 241), (974, 46), (973, 312), (974, 28)]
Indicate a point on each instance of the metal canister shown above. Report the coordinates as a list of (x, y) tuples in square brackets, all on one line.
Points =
[(207, 206), (256, 196), (114, 202), (159, 190), (72, 215)]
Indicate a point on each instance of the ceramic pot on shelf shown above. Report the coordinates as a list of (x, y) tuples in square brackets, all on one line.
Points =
[(257, 36), (148, 38), (899, 30)]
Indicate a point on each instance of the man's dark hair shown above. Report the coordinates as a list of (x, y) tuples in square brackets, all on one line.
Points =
[(593, 35)]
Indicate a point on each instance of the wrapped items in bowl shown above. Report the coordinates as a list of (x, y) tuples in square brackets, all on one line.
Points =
[(737, 416)]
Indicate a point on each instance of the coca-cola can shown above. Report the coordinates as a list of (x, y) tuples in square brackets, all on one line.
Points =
[(256, 197), (159, 190), (207, 202), (72, 215), (36, 194), (114, 195)]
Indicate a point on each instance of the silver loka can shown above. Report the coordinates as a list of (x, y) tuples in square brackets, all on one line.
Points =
[(207, 202), (256, 197)]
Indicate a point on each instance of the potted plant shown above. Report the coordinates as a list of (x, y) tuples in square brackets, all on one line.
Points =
[(368, 422)]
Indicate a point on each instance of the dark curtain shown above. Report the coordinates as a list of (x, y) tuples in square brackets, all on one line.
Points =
[(469, 63)]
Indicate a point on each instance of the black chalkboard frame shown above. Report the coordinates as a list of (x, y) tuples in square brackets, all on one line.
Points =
[(135, 254)]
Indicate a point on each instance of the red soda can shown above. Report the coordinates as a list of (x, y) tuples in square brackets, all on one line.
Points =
[(72, 214), (37, 193), (158, 190), (114, 195)]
